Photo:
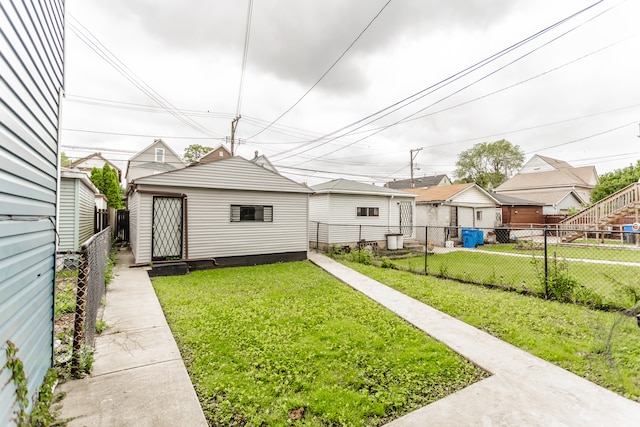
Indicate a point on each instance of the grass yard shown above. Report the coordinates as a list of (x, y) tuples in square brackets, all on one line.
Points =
[(288, 344), (575, 252), (573, 337), (608, 285)]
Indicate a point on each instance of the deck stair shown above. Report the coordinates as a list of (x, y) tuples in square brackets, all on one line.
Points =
[(607, 211)]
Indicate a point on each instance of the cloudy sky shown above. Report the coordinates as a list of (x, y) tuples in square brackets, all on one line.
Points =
[(346, 88)]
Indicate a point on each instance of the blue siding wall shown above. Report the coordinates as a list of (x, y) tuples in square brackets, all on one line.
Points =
[(31, 57)]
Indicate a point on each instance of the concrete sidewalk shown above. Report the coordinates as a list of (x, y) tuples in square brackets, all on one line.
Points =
[(138, 378), (524, 390)]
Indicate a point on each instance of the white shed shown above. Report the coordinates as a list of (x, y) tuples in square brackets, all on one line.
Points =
[(344, 212), (76, 223), (232, 210)]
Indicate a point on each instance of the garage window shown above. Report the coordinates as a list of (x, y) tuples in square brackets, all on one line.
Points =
[(260, 213)]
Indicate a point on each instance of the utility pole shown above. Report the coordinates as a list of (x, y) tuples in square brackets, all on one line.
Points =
[(234, 124), (413, 157)]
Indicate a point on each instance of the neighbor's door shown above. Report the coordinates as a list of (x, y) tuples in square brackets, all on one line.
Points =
[(167, 228), (406, 219)]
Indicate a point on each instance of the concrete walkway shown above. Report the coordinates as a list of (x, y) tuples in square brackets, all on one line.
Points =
[(138, 378), (524, 390)]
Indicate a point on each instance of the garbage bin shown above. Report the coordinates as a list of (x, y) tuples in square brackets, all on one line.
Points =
[(400, 239), (502, 235), (392, 242), (469, 238), (479, 237), (629, 234)]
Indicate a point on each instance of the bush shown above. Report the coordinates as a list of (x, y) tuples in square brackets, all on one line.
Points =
[(362, 257), (387, 263)]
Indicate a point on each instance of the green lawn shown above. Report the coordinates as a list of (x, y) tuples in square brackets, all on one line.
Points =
[(608, 285), (575, 252), (573, 337), (265, 344)]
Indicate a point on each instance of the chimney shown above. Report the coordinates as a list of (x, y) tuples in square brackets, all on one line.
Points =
[(255, 154)]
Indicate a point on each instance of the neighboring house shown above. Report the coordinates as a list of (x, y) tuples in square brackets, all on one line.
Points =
[(447, 207), (519, 212), (232, 210), (261, 160), (553, 182), (77, 211), (422, 182), (344, 212), (154, 159), (95, 160), (31, 60), (219, 153)]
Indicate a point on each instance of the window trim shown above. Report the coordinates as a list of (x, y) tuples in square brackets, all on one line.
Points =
[(362, 211), (159, 154), (236, 213)]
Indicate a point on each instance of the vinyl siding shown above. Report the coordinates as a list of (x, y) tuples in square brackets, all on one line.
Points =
[(346, 227), (86, 213), (31, 69), (211, 232), (132, 204), (67, 221)]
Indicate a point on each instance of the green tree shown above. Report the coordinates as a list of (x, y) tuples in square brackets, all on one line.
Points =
[(112, 187), (106, 180), (97, 179), (65, 161), (614, 181), (488, 164), (194, 152)]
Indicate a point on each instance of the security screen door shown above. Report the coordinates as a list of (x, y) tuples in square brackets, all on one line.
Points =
[(167, 228)]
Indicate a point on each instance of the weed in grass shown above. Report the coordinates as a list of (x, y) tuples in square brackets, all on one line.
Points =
[(387, 263)]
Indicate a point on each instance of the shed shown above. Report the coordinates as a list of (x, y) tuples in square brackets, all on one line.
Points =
[(344, 212), (232, 210), (76, 221), (445, 208), (32, 62), (519, 212)]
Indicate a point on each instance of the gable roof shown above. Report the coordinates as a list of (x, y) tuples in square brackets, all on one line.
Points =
[(547, 197), (555, 163), (514, 201), (446, 193), (77, 164), (262, 160), (153, 165), (211, 157), (233, 173), (346, 186), (550, 179), (424, 181)]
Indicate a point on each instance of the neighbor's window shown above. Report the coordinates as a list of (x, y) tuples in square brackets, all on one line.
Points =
[(478, 215), (251, 213), (367, 211), (160, 155)]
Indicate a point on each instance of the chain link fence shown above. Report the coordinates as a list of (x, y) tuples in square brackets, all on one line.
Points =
[(595, 268), (80, 286)]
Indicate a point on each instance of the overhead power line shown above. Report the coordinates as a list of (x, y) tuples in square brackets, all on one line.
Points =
[(432, 88), (109, 57), (325, 73)]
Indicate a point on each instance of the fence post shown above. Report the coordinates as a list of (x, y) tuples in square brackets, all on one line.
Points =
[(317, 237), (80, 315), (546, 265), (426, 244), (359, 234)]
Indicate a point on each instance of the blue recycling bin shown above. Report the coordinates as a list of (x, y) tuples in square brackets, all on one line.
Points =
[(479, 237), (469, 237)]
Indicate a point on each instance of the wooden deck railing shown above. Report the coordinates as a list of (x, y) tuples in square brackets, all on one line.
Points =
[(605, 211)]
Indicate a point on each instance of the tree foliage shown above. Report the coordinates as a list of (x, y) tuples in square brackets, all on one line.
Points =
[(488, 164), (65, 161), (194, 152), (106, 180), (614, 181)]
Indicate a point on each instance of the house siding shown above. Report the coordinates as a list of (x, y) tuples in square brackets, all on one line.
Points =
[(86, 213), (211, 232), (31, 69), (133, 204), (141, 164), (67, 220), (346, 227)]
